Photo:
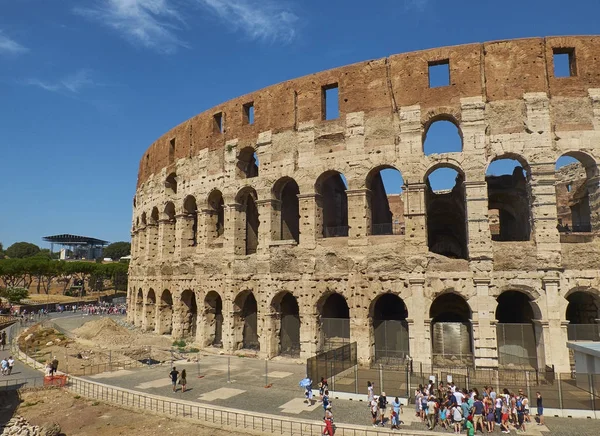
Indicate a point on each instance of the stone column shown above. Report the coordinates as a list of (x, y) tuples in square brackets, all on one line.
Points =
[(267, 227), (593, 189), (415, 215), (177, 326), (478, 230), (311, 219), (555, 347), (142, 242), (228, 323), (358, 215), (166, 241), (485, 340), (235, 238), (361, 332), (309, 331), (419, 339), (151, 241), (149, 321)]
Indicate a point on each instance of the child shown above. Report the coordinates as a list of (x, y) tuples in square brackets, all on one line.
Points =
[(442, 417)]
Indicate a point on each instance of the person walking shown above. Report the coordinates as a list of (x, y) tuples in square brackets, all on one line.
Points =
[(11, 363), (540, 408), (431, 413), (174, 374), (3, 339), (328, 419), (54, 364), (373, 410), (382, 404), (370, 392), (396, 408), (183, 380), (457, 418), (477, 412)]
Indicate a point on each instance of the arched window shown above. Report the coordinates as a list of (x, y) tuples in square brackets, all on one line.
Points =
[(213, 319), (386, 203), (446, 213), (451, 332), (576, 193), (583, 313), (390, 329), (246, 321), (333, 204), (250, 219), (247, 163), (286, 192), (509, 193), (286, 307), (165, 314), (190, 232), (171, 184), (442, 136), (334, 321), (189, 314), (215, 216)]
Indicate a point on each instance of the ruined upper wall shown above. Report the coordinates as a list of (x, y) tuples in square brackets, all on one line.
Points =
[(500, 72)]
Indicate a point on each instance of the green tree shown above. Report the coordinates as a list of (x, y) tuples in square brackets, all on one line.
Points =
[(1, 251), (15, 273), (117, 250), (14, 295), (21, 250)]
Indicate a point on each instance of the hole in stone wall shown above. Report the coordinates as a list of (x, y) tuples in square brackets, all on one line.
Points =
[(248, 110), (330, 102), (386, 203), (439, 73), (563, 59), (172, 150), (333, 204), (218, 122), (442, 137), (247, 163), (575, 207)]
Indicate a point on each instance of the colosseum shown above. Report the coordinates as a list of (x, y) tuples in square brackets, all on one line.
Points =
[(266, 224)]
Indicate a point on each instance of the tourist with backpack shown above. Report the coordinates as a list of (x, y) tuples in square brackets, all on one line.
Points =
[(382, 404)]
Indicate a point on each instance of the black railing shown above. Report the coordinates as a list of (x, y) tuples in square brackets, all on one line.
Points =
[(331, 362), (335, 231), (575, 228), (387, 229)]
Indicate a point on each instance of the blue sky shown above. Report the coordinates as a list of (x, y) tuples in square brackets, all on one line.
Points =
[(86, 86)]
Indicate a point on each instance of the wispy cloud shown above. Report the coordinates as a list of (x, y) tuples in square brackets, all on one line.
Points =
[(10, 46), (72, 83), (259, 19), (149, 23), (157, 24)]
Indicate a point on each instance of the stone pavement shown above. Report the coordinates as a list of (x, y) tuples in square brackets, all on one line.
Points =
[(239, 383)]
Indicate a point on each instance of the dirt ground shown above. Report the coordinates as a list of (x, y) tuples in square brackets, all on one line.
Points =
[(81, 417), (92, 346)]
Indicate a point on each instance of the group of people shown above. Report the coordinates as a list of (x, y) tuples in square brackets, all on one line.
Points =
[(458, 410), (378, 406), (102, 309), (6, 366), (51, 367)]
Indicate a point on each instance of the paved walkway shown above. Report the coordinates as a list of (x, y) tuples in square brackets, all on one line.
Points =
[(239, 383)]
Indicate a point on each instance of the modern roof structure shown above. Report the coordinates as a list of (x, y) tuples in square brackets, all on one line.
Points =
[(67, 239)]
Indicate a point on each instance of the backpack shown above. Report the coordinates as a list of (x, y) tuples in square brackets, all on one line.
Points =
[(382, 402), (519, 405)]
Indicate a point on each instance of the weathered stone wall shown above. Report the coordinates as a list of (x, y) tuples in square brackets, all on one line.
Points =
[(505, 100)]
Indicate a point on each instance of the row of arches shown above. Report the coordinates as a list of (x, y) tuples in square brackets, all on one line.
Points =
[(518, 327)]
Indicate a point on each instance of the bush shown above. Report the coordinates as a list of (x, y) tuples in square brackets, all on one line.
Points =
[(179, 343), (194, 350)]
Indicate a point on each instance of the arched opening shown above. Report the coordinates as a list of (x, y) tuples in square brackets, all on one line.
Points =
[(509, 206), (334, 321), (247, 163), (286, 309), (168, 236), (250, 220), (577, 195), (385, 200), (150, 310), (165, 314), (286, 191), (446, 210), (332, 204), (246, 321), (144, 220), (171, 184), (516, 332), (190, 230), (139, 308), (189, 314), (213, 319), (390, 329), (442, 136), (451, 331), (215, 226), (583, 314)]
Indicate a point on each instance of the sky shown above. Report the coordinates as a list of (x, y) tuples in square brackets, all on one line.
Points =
[(86, 86)]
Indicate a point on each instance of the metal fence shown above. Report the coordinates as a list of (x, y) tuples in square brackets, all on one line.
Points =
[(583, 332), (19, 383), (387, 229), (332, 362), (335, 332), (335, 231)]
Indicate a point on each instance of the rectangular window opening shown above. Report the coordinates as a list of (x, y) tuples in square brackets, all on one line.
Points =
[(172, 150), (218, 118), (249, 113), (439, 73), (563, 59), (330, 96)]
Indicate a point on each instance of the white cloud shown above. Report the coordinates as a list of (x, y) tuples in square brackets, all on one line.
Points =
[(72, 83), (155, 24), (259, 19), (10, 46), (149, 23)]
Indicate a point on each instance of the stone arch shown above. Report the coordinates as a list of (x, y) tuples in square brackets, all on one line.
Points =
[(164, 320), (445, 118), (286, 314), (213, 319), (247, 163), (139, 308), (519, 334), (168, 229), (334, 320), (189, 314), (509, 198), (245, 321), (451, 330), (171, 184), (154, 215), (446, 215), (215, 216), (583, 314), (287, 209), (249, 219), (190, 227), (385, 208), (388, 315), (144, 220), (332, 204)]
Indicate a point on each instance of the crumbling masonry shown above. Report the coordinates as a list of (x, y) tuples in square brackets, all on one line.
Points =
[(262, 225)]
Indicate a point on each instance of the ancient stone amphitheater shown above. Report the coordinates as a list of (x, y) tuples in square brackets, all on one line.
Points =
[(264, 224)]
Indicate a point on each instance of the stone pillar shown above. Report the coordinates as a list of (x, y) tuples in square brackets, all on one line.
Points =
[(185, 233), (177, 329), (419, 339), (358, 215), (268, 211), (151, 241), (166, 238), (311, 219), (361, 332), (148, 321), (415, 215), (593, 189), (478, 230), (544, 214), (485, 340), (269, 340), (309, 331), (142, 242), (555, 348), (234, 231), (228, 326)]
